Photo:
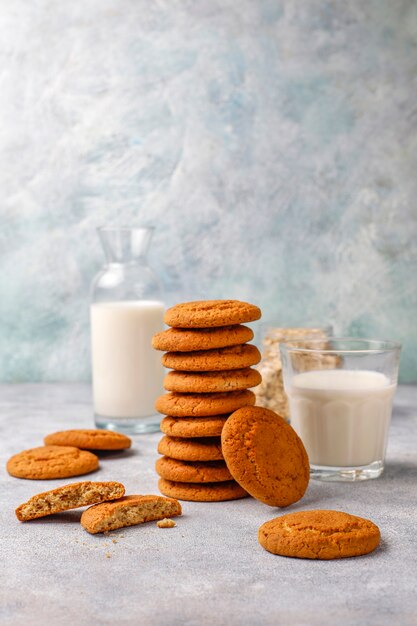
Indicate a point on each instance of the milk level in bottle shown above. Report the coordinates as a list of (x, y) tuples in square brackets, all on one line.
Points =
[(127, 371)]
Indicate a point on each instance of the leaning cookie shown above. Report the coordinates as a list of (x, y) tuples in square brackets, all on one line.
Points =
[(319, 535), (128, 511), (203, 404), (47, 462), (265, 456), (89, 439), (68, 497), (209, 313)]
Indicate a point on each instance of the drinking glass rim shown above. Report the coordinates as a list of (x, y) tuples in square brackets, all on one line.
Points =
[(388, 345)]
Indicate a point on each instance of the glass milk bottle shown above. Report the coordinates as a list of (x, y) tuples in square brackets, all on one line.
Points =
[(126, 310)]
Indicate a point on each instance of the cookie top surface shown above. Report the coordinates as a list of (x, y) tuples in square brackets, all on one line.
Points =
[(128, 511), (231, 358), (89, 439), (203, 404), (205, 449), (207, 492), (192, 472), (266, 456), (212, 382), (68, 497), (49, 462), (209, 426), (189, 340), (209, 313), (319, 535)]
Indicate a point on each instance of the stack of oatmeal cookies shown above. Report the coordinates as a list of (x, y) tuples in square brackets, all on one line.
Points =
[(207, 351)]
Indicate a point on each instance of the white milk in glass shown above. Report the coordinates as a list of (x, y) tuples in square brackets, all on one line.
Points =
[(342, 416), (127, 371)]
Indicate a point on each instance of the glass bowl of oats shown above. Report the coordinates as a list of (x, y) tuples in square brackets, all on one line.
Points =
[(270, 392)]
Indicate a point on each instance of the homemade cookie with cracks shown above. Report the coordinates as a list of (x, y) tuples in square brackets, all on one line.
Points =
[(265, 456), (231, 358), (201, 405), (209, 426), (189, 472), (49, 462), (208, 492), (209, 313), (89, 439), (189, 340), (319, 535), (206, 449), (68, 497), (212, 382), (128, 511)]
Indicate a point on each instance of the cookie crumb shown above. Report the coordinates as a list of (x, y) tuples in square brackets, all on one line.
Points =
[(166, 523), (114, 540), (108, 555)]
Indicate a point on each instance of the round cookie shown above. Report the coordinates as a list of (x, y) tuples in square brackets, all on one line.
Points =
[(208, 492), (208, 449), (319, 535), (209, 426), (203, 404), (188, 340), (49, 462), (209, 313), (188, 472), (89, 439), (212, 382), (266, 456), (231, 358)]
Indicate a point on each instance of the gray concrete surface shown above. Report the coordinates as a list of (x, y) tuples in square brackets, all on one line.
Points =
[(210, 568)]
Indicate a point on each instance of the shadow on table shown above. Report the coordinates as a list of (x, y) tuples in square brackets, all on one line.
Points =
[(399, 470), (68, 517), (383, 546), (316, 494), (109, 455), (319, 492)]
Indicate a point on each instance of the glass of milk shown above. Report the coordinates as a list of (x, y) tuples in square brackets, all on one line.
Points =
[(126, 310), (340, 397)]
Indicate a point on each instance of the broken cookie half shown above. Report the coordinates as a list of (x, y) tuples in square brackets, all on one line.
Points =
[(68, 497), (128, 511)]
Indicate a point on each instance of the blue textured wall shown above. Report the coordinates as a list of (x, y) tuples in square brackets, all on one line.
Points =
[(273, 143)]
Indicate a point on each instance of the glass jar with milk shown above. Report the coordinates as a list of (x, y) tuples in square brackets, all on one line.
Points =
[(340, 398), (126, 310)]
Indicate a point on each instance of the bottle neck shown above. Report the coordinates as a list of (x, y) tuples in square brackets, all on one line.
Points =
[(127, 263), (125, 246)]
